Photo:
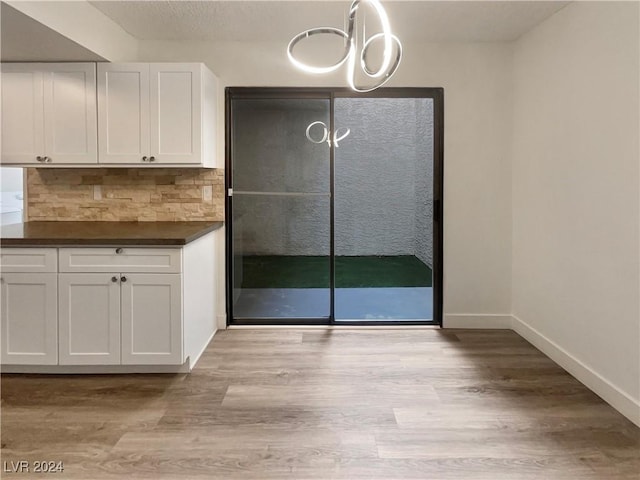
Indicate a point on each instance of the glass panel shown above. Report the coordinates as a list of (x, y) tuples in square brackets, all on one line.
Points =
[(281, 210), (11, 198), (384, 209), (271, 151)]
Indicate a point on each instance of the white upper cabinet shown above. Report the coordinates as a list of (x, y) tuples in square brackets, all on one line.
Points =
[(49, 114), (22, 115), (70, 129), (123, 109), (176, 103), (156, 114), (112, 114)]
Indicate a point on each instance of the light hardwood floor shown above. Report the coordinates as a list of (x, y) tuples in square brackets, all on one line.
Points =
[(318, 404)]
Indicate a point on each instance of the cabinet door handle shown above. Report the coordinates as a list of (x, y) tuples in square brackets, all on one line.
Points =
[(39, 158), (152, 159), (144, 159), (114, 279), (47, 159), (118, 250), (123, 279)]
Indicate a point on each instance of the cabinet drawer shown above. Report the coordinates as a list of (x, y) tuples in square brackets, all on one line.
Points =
[(25, 260), (121, 260)]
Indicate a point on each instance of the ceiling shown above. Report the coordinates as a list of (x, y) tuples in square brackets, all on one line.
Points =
[(239, 20), (26, 40)]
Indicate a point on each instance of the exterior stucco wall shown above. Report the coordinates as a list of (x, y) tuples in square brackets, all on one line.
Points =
[(272, 154), (383, 178)]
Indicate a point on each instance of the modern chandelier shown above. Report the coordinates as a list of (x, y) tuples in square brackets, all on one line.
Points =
[(389, 61), (337, 135)]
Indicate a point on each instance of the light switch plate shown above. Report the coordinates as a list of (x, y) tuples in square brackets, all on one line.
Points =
[(97, 192), (207, 193)]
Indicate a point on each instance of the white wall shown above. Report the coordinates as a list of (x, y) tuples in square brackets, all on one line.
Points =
[(85, 25), (576, 264), (477, 196)]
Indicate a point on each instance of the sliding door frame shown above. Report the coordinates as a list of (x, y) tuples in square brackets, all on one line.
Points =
[(265, 93), (247, 93)]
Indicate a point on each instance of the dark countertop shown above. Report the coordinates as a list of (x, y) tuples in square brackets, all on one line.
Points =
[(36, 234)]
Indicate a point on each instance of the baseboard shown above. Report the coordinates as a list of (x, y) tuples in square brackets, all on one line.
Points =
[(222, 321), (94, 369), (193, 363), (618, 399), (481, 320)]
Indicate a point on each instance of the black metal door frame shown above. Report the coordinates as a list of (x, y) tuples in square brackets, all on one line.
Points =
[(437, 95)]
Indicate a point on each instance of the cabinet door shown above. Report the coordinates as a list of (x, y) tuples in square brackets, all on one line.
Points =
[(151, 319), (29, 318), (70, 127), (22, 113), (123, 112), (89, 319), (175, 112)]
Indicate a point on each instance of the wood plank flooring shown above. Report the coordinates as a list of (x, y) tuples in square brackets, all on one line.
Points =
[(327, 404)]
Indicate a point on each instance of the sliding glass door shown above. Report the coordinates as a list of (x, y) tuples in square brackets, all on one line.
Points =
[(333, 206), (384, 209), (280, 210)]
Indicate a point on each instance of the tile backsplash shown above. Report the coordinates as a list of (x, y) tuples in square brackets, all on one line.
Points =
[(125, 194)]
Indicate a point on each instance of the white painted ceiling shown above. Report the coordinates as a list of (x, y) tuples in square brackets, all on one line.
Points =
[(239, 20)]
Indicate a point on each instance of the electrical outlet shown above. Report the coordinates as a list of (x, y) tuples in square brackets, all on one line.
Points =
[(207, 193), (97, 192)]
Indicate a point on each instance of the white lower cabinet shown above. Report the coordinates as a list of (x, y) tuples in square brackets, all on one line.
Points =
[(89, 320), (151, 319), (111, 319), (65, 311), (29, 318)]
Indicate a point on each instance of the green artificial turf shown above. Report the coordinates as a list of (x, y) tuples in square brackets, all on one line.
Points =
[(267, 271)]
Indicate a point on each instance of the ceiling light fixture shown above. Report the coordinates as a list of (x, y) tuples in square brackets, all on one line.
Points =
[(337, 137), (391, 42)]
